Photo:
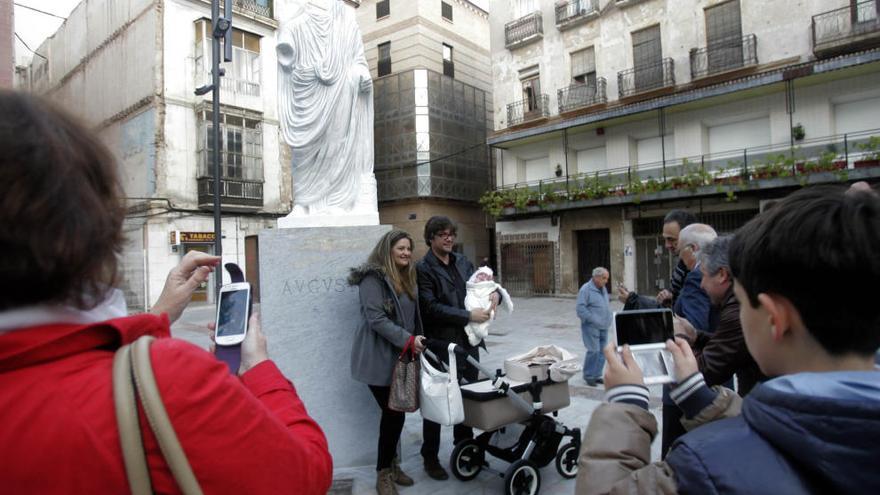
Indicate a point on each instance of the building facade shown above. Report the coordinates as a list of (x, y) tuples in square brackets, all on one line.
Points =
[(129, 69), (431, 66), (609, 113)]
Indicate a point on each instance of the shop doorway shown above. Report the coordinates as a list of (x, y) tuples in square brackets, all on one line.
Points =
[(593, 249)]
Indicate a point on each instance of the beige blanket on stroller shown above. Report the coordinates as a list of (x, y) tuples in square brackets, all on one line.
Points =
[(560, 363)]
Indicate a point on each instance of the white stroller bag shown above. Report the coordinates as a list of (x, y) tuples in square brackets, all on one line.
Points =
[(439, 394)]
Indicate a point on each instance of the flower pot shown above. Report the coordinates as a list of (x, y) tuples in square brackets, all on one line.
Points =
[(839, 164), (866, 163)]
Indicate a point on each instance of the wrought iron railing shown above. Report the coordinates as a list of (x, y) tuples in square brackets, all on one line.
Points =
[(835, 153), (263, 8), (569, 13), (233, 192), (723, 56), (232, 166), (523, 30), (646, 77), (845, 23), (528, 109), (581, 95)]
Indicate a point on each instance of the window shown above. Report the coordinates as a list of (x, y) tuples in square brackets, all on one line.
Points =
[(523, 8), (384, 58), (448, 63), (724, 36), (647, 58), (383, 8), (446, 11), (583, 67), (241, 146), (532, 92), (243, 73)]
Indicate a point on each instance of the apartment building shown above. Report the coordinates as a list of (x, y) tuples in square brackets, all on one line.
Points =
[(432, 73), (609, 113), (129, 68)]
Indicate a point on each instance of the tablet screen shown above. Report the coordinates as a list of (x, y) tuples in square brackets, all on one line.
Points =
[(643, 327)]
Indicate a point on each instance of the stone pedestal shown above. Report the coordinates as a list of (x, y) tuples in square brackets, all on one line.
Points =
[(309, 314)]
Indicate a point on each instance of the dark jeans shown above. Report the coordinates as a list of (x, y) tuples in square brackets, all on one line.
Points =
[(431, 430), (672, 428), (390, 427)]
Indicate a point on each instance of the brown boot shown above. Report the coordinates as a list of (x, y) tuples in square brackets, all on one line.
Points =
[(385, 483), (399, 476)]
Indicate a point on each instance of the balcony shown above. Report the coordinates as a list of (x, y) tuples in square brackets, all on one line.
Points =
[(846, 29), (724, 56), (527, 110), (581, 95), (646, 78), (240, 86), (244, 192), (831, 159), (523, 31), (575, 12), (258, 7)]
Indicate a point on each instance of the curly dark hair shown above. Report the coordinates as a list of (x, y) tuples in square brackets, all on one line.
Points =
[(61, 207)]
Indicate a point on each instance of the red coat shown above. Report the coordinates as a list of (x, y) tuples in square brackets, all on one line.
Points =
[(58, 433)]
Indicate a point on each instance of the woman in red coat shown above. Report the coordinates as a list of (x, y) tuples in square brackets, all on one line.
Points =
[(61, 321)]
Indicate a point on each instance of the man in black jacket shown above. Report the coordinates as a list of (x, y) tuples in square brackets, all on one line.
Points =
[(442, 278)]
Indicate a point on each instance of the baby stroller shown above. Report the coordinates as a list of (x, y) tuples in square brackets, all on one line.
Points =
[(499, 408)]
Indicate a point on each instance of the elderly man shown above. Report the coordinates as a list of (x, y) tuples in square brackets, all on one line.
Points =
[(595, 315), (722, 353), (693, 305), (673, 222)]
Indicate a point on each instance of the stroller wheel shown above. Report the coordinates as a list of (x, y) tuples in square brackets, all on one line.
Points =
[(467, 460), (522, 478), (567, 460)]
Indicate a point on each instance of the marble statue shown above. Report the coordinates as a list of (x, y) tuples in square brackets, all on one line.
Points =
[(325, 100)]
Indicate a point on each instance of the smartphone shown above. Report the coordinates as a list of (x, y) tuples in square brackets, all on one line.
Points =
[(233, 313)]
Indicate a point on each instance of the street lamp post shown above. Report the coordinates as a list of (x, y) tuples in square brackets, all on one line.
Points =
[(221, 27)]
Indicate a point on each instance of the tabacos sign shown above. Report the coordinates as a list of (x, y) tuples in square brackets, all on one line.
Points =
[(177, 237)]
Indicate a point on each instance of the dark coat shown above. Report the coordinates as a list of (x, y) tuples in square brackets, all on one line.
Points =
[(441, 302), (723, 353), (693, 303), (381, 333)]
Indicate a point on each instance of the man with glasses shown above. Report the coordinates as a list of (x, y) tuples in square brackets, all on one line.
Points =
[(442, 288), (673, 222)]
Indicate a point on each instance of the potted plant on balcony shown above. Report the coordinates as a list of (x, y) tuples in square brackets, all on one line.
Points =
[(871, 156), (798, 132), (558, 170)]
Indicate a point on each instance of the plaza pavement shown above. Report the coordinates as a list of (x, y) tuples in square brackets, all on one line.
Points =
[(535, 321)]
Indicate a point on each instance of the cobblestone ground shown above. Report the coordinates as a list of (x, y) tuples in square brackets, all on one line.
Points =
[(535, 321)]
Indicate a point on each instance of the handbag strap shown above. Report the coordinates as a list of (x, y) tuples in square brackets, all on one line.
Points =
[(410, 347), (139, 365), (125, 403), (453, 368)]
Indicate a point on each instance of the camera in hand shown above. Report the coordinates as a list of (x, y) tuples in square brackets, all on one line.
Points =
[(646, 332)]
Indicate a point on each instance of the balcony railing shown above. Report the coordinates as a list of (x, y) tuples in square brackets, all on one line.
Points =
[(263, 8), (843, 157), (581, 95), (528, 109), (847, 28), (646, 78), (244, 191), (240, 86), (523, 30), (724, 56), (575, 12)]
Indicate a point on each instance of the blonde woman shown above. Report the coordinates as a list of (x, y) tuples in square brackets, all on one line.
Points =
[(390, 317)]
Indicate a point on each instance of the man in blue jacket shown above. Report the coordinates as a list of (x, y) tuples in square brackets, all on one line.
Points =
[(595, 315), (815, 427)]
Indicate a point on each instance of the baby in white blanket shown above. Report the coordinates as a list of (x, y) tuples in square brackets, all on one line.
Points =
[(480, 287)]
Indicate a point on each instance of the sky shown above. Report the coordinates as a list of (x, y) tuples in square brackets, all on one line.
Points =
[(34, 27)]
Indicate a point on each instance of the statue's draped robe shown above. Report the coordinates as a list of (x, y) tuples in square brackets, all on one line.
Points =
[(326, 116)]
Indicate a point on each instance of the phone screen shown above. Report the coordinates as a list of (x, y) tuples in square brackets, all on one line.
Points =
[(233, 312), (649, 327)]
